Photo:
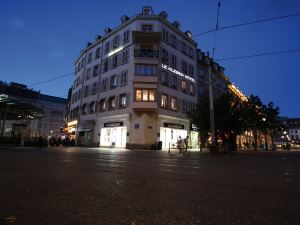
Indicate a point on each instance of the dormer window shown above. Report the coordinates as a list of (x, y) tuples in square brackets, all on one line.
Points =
[(107, 30), (176, 24), (188, 33), (124, 19), (147, 27), (147, 10), (164, 14)]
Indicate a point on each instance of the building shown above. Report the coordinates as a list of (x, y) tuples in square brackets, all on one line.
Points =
[(134, 86), (30, 113)]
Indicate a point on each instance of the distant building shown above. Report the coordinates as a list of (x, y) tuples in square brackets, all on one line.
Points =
[(52, 108), (293, 129)]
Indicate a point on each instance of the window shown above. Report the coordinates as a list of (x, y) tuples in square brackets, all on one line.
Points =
[(126, 36), (184, 106), (125, 56), (190, 70), (86, 91), (115, 61), (192, 89), (89, 58), (104, 84), (183, 85), (106, 47), (112, 103), (164, 78), (97, 53), (147, 27), (116, 41), (138, 95), (113, 81), (123, 100), (165, 35), (165, 57), (174, 103), (92, 107), (123, 79), (183, 47), (102, 105), (144, 95), (164, 101), (94, 88), (173, 81), (145, 70), (174, 41), (95, 71), (183, 66), (174, 61), (105, 65), (191, 52), (88, 74), (83, 109)]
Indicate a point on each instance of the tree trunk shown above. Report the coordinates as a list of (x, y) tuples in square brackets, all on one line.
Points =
[(266, 142), (255, 139)]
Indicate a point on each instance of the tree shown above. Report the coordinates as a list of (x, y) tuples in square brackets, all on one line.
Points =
[(228, 119), (272, 124), (253, 116), (200, 117)]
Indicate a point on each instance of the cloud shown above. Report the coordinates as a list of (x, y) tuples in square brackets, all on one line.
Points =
[(18, 24), (57, 54)]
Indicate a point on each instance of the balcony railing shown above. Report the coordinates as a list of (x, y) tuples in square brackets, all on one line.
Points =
[(146, 53)]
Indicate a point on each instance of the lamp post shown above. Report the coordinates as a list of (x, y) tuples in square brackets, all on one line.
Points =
[(211, 108)]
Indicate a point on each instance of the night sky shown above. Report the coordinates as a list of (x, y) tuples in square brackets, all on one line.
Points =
[(40, 40)]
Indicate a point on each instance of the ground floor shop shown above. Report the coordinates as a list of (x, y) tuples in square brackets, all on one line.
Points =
[(138, 131)]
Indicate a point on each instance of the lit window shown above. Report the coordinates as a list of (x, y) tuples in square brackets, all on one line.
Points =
[(174, 103), (138, 95), (112, 103), (151, 95), (145, 95), (164, 101), (113, 81), (183, 85)]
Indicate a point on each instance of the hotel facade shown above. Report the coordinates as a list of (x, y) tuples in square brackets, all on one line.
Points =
[(134, 86)]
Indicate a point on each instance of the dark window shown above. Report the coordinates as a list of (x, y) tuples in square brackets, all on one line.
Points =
[(147, 28)]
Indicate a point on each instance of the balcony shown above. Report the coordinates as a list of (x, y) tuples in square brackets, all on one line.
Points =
[(146, 53), (144, 106), (146, 37)]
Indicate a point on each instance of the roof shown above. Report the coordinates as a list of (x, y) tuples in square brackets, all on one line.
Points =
[(18, 108)]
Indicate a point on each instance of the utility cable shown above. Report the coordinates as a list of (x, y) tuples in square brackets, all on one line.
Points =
[(54, 78), (260, 54), (92, 11), (248, 23)]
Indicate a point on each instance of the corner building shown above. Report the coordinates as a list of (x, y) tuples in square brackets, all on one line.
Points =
[(135, 85)]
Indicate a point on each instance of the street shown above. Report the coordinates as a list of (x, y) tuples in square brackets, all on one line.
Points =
[(75, 186)]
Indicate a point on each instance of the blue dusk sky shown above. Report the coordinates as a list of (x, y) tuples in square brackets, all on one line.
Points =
[(40, 40)]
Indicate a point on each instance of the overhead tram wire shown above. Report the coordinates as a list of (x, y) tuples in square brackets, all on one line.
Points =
[(93, 11), (54, 78), (260, 54), (248, 23)]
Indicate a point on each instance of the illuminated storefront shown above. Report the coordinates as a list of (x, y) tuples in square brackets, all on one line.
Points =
[(170, 133), (113, 135)]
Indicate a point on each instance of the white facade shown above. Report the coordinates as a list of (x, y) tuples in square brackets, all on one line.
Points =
[(134, 86)]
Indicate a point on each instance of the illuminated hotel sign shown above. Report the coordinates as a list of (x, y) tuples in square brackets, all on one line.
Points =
[(164, 66)]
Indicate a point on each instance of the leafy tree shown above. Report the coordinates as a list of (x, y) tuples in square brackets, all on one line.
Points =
[(253, 116)]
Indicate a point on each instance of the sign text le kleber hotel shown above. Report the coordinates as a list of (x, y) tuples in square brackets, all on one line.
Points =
[(164, 66)]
